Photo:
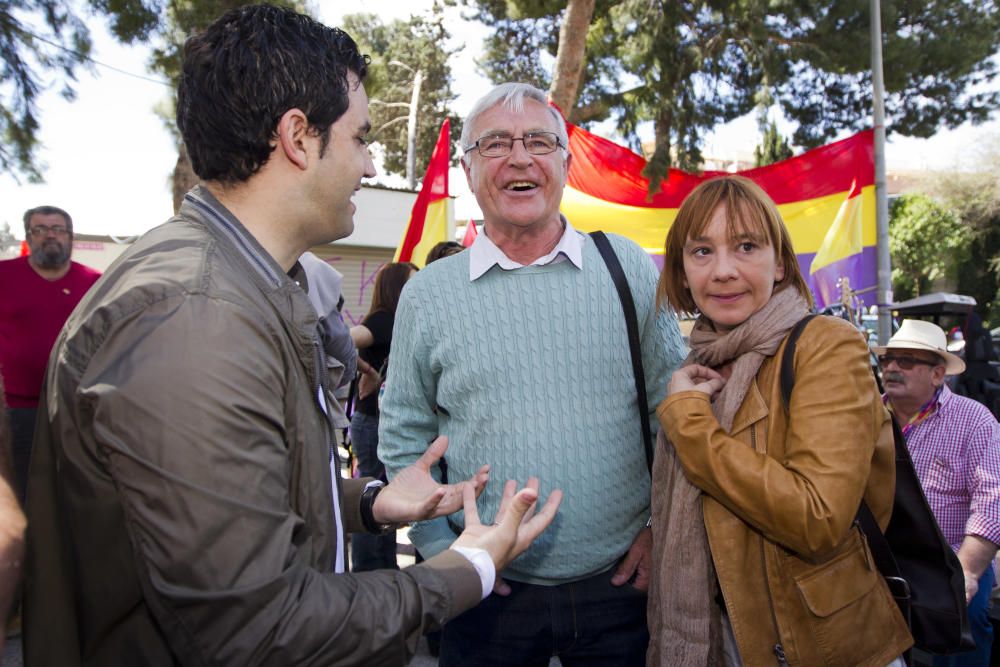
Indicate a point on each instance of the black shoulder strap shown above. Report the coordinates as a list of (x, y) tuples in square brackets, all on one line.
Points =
[(880, 549), (788, 360), (632, 324), (877, 542)]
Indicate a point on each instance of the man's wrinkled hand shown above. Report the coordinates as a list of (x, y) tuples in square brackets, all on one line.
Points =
[(517, 523), (414, 495), (637, 562)]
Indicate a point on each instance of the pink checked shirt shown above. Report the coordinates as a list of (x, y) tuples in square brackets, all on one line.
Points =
[(956, 453)]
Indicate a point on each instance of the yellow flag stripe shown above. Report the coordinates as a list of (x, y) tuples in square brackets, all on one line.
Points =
[(808, 221), (435, 230)]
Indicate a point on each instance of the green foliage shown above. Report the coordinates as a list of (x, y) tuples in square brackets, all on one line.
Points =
[(772, 148), (43, 43), (689, 65), (991, 317), (41, 38), (975, 199), (417, 44), (926, 242), (514, 53)]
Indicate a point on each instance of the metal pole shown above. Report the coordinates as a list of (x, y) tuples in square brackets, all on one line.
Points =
[(881, 194), (411, 132)]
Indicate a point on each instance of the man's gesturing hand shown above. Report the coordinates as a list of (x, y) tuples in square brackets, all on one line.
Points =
[(414, 495), (517, 523)]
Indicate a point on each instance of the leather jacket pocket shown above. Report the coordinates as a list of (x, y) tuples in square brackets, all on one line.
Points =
[(838, 583), (846, 604)]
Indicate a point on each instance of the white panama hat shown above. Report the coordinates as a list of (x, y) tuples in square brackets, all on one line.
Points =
[(926, 336)]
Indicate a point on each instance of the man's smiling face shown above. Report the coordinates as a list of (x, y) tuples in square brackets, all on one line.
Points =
[(519, 190)]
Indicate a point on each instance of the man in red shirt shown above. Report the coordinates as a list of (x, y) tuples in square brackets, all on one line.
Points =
[(39, 292)]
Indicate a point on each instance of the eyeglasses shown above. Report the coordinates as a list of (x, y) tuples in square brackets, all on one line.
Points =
[(43, 230), (904, 361), (499, 145)]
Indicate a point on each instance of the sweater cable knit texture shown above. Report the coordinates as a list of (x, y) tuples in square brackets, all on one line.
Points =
[(530, 372)]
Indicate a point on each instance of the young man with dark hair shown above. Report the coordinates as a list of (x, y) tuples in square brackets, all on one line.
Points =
[(186, 505)]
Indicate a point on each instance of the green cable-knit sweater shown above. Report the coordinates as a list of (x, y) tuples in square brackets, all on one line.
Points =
[(529, 371)]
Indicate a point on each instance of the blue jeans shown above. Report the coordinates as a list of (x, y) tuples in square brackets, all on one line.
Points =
[(369, 552), (22, 430), (982, 629), (585, 623)]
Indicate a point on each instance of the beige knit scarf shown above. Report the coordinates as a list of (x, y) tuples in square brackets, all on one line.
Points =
[(684, 621)]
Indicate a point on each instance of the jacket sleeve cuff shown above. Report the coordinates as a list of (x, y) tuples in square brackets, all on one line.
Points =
[(677, 406), (459, 577), (983, 527), (480, 560), (350, 506)]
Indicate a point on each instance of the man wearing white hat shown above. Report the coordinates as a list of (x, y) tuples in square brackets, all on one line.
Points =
[(955, 445)]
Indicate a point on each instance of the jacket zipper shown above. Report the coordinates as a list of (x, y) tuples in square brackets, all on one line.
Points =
[(779, 650), (321, 395)]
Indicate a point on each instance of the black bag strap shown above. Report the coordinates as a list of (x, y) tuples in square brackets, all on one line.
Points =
[(788, 360), (879, 546), (632, 324)]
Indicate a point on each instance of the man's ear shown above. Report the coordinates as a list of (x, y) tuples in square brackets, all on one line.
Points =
[(937, 375), (292, 137), (468, 174)]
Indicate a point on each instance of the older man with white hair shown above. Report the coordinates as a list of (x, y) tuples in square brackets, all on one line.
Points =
[(955, 445), (518, 351)]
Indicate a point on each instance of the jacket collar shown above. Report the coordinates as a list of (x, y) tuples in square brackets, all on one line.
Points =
[(210, 210), (286, 292)]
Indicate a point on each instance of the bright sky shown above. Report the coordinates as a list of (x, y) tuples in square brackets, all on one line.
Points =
[(109, 157)]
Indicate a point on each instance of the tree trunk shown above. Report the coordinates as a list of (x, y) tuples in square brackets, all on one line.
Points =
[(571, 56), (658, 165), (183, 178)]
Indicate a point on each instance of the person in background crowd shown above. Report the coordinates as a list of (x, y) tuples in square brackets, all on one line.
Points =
[(443, 249), (517, 350), (955, 446), (39, 292), (12, 526), (373, 338), (757, 558), (186, 504), (323, 287)]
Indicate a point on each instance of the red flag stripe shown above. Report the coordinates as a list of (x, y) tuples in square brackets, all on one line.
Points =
[(434, 188), (607, 171)]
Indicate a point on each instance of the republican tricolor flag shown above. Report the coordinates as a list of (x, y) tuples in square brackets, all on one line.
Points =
[(826, 197), (432, 217)]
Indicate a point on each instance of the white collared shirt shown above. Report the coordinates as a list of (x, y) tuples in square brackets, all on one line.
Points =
[(484, 253)]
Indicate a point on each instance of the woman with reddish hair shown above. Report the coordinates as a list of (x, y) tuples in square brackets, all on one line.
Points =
[(757, 558)]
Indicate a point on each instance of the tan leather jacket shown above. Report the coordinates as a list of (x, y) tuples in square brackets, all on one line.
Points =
[(780, 500), (180, 503)]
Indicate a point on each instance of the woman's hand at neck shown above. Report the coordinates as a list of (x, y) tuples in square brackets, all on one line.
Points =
[(696, 378)]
